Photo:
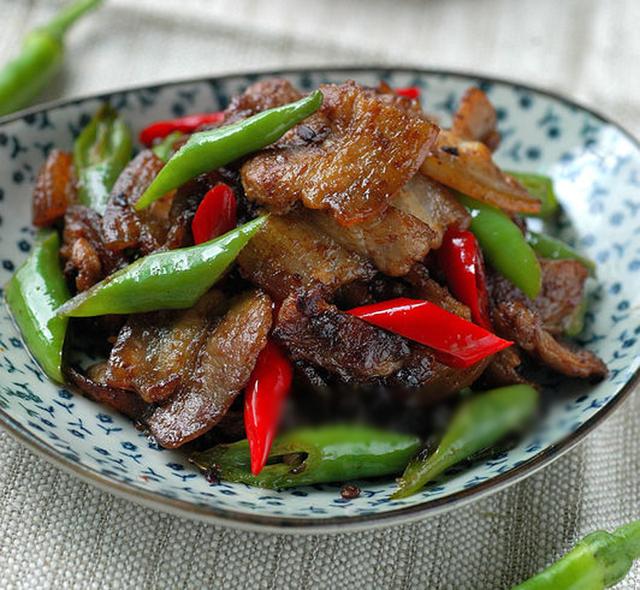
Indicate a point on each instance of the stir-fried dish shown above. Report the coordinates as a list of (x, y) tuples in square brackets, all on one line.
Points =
[(305, 288)]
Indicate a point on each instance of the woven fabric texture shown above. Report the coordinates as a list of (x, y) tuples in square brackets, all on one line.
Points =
[(56, 532)]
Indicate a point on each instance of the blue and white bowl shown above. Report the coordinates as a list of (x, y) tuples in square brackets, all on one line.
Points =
[(596, 168)]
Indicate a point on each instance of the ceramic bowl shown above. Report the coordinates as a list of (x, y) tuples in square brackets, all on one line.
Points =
[(596, 167)]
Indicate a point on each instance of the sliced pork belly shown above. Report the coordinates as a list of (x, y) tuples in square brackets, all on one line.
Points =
[(532, 324), (562, 292), (261, 96), (517, 322), (289, 252), (155, 352), (122, 226), (93, 385), (87, 260), (55, 189), (406, 232), (476, 119), (221, 371), (350, 158), (316, 332), (467, 166)]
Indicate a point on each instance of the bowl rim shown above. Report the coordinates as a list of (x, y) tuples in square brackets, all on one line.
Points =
[(302, 525)]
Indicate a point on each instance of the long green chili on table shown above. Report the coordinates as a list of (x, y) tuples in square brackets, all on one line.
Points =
[(100, 153), (481, 421), (209, 150), (34, 293), (549, 247), (598, 561), (174, 279), (541, 187), (23, 78), (505, 247), (335, 453)]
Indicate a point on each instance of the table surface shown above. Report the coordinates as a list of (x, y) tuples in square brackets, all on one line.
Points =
[(56, 532)]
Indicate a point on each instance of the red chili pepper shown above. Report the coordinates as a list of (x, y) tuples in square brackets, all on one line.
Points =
[(216, 214), (188, 124), (461, 261), (412, 92), (455, 341), (268, 387)]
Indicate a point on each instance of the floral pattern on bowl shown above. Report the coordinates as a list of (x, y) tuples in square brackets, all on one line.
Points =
[(596, 168)]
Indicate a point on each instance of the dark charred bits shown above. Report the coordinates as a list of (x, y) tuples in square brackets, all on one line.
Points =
[(349, 491), (310, 135), (450, 149)]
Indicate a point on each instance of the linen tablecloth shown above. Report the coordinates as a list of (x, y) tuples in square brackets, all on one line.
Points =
[(56, 532)]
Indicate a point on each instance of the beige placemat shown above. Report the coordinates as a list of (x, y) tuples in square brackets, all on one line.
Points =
[(56, 532)]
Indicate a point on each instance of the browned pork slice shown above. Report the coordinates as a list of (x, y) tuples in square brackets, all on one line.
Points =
[(515, 321), (93, 385), (395, 240), (55, 189), (222, 369), (476, 119), (562, 292), (316, 332), (532, 324), (87, 259), (467, 166), (423, 380), (289, 252), (263, 95), (155, 352), (350, 158), (122, 226), (504, 368)]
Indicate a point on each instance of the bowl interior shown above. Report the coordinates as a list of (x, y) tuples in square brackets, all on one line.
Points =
[(596, 168)]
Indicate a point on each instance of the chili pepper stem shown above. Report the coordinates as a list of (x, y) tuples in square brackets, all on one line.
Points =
[(61, 23)]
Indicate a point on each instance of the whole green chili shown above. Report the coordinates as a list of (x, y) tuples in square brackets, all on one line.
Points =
[(505, 247), (208, 150), (541, 187), (164, 149), (549, 247), (481, 421), (23, 78), (100, 154), (33, 295), (174, 279), (598, 561), (335, 453)]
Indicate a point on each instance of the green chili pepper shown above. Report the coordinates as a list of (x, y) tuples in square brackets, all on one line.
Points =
[(33, 295), (208, 150), (599, 561), (505, 247), (541, 187), (164, 149), (480, 422), (100, 154), (23, 78), (175, 279), (548, 247), (335, 453)]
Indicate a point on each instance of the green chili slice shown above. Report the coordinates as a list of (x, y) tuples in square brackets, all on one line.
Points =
[(209, 150), (335, 453), (481, 421), (505, 247), (175, 279), (101, 152), (34, 293)]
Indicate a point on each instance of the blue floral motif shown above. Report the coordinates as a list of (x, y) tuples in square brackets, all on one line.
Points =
[(596, 169)]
